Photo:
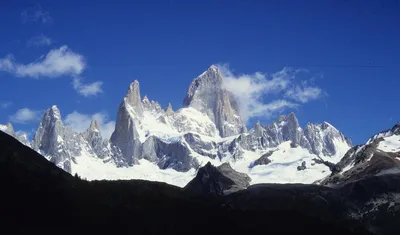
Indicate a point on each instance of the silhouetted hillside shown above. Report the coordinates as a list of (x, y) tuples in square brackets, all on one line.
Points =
[(37, 194)]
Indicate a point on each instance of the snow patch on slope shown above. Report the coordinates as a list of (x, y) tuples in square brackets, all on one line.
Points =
[(283, 167), (92, 168), (390, 144)]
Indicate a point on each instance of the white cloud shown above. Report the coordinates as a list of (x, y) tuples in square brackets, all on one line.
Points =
[(5, 104), (304, 94), (252, 90), (90, 89), (7, 63), (79, 122), (25, 115), (36, 14), (40, 40), (58, 62)]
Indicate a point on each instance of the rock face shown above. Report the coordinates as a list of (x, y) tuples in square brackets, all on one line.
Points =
[(263, 160), (222, 180), (55, 141), (319, 139), (62, 146), (93, 137), (322, 136), (126, 136), (207, 95), (174, 155)]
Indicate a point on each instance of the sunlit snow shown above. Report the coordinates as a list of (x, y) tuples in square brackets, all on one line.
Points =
[(390, 144)]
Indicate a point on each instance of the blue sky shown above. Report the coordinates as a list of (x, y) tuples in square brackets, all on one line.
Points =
[(82, 57)]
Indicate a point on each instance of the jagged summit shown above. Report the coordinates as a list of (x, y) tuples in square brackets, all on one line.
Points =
[(94, 125), (206, 94), (290, 117), (10, 127), (133, 98), (20, 136), (396, 129), (185, 139), (169, 109), (145, 99), (54, 112)]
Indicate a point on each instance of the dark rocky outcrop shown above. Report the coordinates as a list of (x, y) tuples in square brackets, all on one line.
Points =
[(302, 166), (263, 160), (221, 180)]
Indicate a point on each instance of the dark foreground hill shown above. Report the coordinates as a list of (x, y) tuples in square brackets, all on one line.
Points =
[(37, 195)]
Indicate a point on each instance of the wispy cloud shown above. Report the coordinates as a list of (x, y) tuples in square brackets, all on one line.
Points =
[(304, 94), (79, 122), (5, 104), (57, 62), (39, 40), (90, 89), (25, 115), (254, 91), (36, 14)]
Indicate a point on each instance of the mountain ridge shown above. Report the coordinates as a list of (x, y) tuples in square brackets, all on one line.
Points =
[(207, 128)]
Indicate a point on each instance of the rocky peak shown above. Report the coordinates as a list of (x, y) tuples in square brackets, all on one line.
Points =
[(93, 137), (218, 181), (206, 84), (49, 127), (326, 125), (396, 129), (291, 129), (94, 126), (290, 119), (207, 95), (133, 99), (53, 113), (20, 136), (257, 129), (10, 128), (145, 100), (126, 134), (169, 109), (93, 132)]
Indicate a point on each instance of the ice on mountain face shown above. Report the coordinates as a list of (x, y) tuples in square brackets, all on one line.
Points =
[(207, 95)]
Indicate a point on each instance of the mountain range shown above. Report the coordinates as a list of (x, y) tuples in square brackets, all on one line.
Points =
[(221, 168), (150, 142)]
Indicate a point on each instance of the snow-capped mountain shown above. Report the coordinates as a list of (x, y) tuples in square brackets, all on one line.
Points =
[(153, 143), (207, 95), (21, 137), (379, 156)]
